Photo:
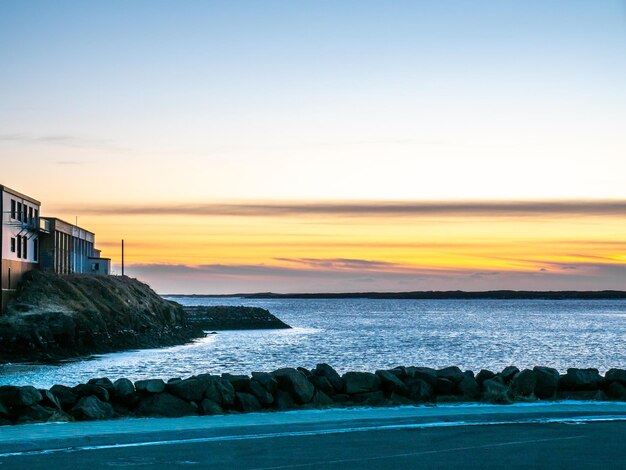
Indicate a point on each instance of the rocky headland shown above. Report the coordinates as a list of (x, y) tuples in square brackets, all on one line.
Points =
[(291, 389), (232, 318)]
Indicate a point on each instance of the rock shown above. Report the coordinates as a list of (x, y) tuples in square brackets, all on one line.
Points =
[(209, 407), (484, 375), (321, 400), (165, 405), (495, 391), (307, 373), (85, 390), (420, 390), (247, 403), (189, 389), (360, 382), (124, 391), (91, 407), (444, 387), (295, 383), (50, 400), (4, 412), (547, 382), (523, 383), (267, 380), (469, 388), (35, 414), (283, 401), (581, 379), (390, 383), (399, 400), (453, 374), (12, 396), (322, 383), (369, 398), (260, 393), (616, 375), (66, 396), (226, 392), (239, 382), (426, 374), (617, 391), (577, 395), (508, 373), (324, 370), (150, 386), (103, 382)]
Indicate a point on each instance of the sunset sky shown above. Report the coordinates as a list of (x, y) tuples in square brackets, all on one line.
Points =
[(327, 146)]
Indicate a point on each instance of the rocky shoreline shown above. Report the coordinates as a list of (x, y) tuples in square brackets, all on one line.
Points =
[(291, 389)]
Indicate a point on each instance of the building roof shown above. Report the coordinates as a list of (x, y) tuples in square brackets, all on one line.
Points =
[(56, 219), (20, 195)]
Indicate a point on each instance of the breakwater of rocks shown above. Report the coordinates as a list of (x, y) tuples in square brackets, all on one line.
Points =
[(289, 389), (232, 318)]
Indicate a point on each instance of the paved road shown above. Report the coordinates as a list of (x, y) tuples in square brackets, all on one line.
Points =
[(556, 436)]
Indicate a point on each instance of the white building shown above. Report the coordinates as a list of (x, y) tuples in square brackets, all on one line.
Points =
[(19, 242)]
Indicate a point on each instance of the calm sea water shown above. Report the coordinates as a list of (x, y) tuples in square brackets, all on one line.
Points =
[(360, 334)]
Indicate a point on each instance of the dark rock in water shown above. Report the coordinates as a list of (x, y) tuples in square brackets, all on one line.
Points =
[(321, 400), (617, 391), (547, 382), (523, 383), (260, 393), (495, 391), (4, 412), (240, 382), (232, 318), (66, 396), (226, 392), (189, 389), (360, 382), (508, 373), (35, 414), (267, 380), (283, 400), (124, 390), (247, 403), (150, 386), (469, 387), (307, 373), (453, 374), (91, 407), (324, 370), (50, 400), (165, 405), (85, 390), (295, 383), (390, 383), (209, 407), (581, 379), (616, 375), (484, 375), (399, 400), (103, 382), (420, 390), (369, 398), (444, 387), (322, 383), (12, 396), (426, 374)]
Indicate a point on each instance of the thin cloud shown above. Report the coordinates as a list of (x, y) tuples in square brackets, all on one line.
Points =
[(373, 209), (62, 140)]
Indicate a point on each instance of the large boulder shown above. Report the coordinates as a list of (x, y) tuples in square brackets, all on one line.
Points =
[(209, 407), (360, 382), (191, 389), (103, 382), (390, 383), (239, 382), (494, 391), (12, 396), (247, 403), (419, 390), (267, 380), (547, 382), (50, 400), (616, 375), (324, 370), (264, 397), (469, 387), (322, 383), (453, 374), (483, 375), (523, 384), (66, 396), (150, 386), (508, 373), (617, 391), (581, 379), (91, 407), (124, 391), (165, 405), (426, 374), (86, 390), (295, 383)]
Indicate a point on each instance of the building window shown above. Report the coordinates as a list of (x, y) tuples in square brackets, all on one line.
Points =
[(12, 244), (36, 249), (13, 211), (19, 211), (36, 215), (25, 217), (19, 246), (25, 241), (95, 266), (30, 215)]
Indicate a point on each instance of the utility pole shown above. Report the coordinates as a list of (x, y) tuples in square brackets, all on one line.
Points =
[(122, 257)]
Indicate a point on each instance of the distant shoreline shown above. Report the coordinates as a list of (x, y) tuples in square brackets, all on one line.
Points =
[(430, 295)]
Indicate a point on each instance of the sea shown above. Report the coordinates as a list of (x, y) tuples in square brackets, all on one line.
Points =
[(368, 334)]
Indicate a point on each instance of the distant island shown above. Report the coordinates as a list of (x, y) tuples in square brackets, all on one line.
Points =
[(433, 295)]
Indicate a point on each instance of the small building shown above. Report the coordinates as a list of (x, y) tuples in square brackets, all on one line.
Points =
[(19, 240), (99, 266)]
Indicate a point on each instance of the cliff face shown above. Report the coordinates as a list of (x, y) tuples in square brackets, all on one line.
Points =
[(54, 317)]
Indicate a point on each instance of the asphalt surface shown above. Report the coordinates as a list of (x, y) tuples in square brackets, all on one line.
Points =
[(575, 435)]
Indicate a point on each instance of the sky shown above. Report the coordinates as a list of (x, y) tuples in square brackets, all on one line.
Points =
[(327, 146)]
